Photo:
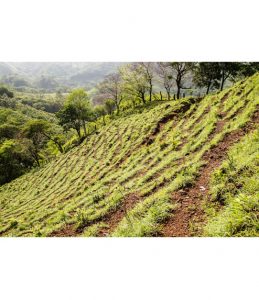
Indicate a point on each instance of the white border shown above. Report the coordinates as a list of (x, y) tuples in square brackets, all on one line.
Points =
[(115, 269), (123, 30)]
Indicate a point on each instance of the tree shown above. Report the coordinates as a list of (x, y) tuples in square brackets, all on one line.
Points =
[(59, 140), (166, 76), (14, 160), (179, 72), (228, 70), (135, 83), (39, 132), (68, 118), (100, 111), (111, 88), (248, 69), (5, 91), (34, 130), (207, 74), (109, 106), (76, 112), (148, 71), (8, 131)]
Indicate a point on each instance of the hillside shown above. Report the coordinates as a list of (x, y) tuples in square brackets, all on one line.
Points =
[(54, 75), (19, 113), (178, 168)]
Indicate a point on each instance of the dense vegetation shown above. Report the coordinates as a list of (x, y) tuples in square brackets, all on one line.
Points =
[(135, 155), (21, 148)]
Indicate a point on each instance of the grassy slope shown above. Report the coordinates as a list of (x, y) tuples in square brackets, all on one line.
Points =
[(120, 181), (235, 185), (22, 113)]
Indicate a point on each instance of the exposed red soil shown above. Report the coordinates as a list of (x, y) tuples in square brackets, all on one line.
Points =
[(189, 199), (150, 139), (113, 219), (67, 231)]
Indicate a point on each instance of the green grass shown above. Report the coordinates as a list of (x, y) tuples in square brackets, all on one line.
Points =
[(235, 191), (83, 186)]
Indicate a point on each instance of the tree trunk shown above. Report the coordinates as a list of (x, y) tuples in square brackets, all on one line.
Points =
[(84, 127), (208, 87), (36, 157), (60, 148), (178, 92), (168, 95), (118, 108), (222, 81), (104, 120), (78, 132), (178, 85), (59, 145), (38, 163), (143, 98), (161, 96), (150, 92)]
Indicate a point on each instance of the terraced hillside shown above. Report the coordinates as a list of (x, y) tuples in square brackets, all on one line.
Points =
[(177, 169)]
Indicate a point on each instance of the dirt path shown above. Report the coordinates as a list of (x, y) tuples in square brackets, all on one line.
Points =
[(113, 219), (189, 199)]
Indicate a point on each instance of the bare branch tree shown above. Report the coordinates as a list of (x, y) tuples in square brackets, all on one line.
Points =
[(165, 74), (148, 69), (179, 71), (111, 88)]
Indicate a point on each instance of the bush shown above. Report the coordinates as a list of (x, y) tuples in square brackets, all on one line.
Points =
[(5, 91)]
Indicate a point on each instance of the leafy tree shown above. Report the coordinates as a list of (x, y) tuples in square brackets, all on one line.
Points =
[(135, 82), (14, 160), (248, 69), (7, 102), (5, 91), (59, 140), (109, 106), (39, 132), (35, 130), (8, 131), (207, 74), (68, 118), (179, 71), (100, 111), (76, 112), (228, 70)]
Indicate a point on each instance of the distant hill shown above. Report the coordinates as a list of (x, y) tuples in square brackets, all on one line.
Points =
[(175, 168), (53, 75)]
